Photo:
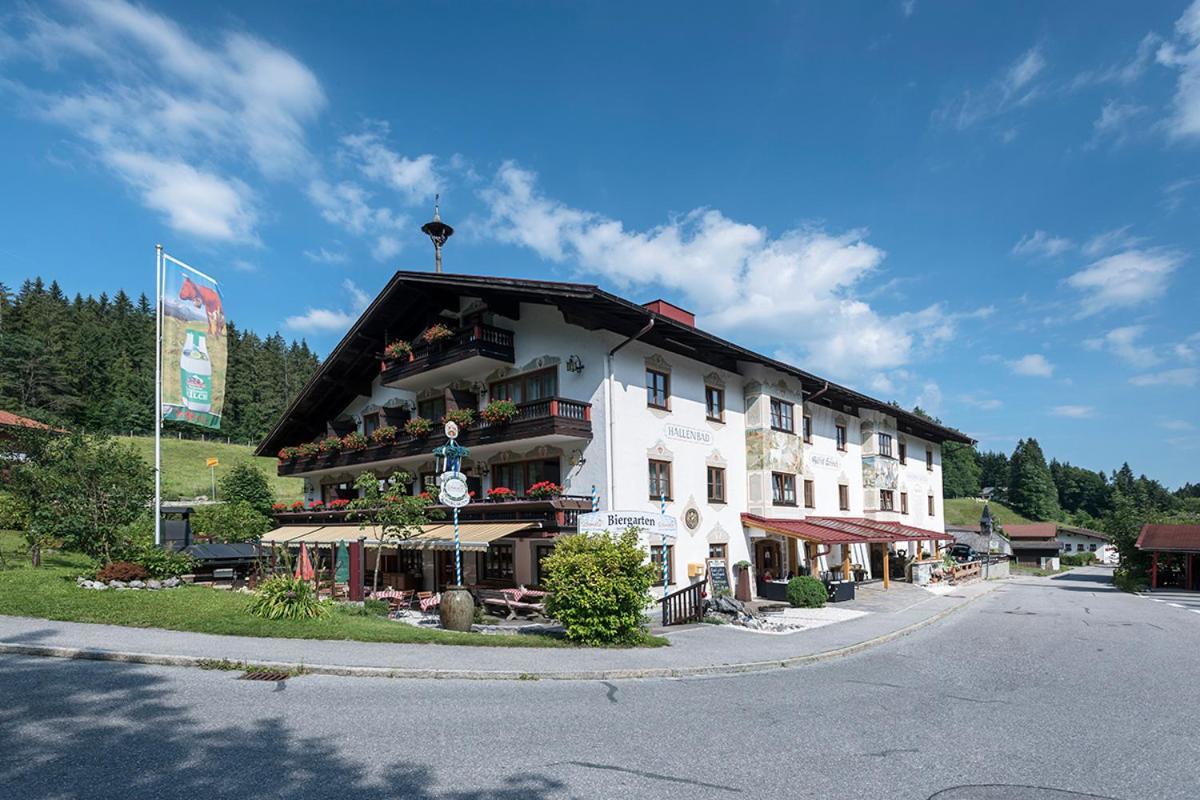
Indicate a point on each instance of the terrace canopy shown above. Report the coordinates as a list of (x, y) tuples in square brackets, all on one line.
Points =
[(474, 537)]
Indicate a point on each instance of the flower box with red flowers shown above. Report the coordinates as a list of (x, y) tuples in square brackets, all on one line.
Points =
[(499, 494), (543, 490)]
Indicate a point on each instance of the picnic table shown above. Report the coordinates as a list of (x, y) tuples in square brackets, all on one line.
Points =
[(514, 600)]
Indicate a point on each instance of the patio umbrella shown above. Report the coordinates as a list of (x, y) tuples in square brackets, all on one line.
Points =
[(304, 570), (342, 572)]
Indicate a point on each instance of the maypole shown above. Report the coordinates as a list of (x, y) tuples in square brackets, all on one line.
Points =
[(158, 321)]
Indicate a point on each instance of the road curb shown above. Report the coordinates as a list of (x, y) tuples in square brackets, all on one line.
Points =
[(90, 654)]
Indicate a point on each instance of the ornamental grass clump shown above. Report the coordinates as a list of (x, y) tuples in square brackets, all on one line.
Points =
[(599, 585), (287, 597), (806, 591)]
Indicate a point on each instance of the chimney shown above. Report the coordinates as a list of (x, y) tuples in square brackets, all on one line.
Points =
[(671, 311)]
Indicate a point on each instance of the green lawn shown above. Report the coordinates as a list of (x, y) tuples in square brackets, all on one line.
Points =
[(51, 593), (1037, 572), (186, 476), (966, 510)]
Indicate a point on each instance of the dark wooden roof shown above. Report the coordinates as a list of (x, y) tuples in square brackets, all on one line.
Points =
[(1169, 538), (404, 306)]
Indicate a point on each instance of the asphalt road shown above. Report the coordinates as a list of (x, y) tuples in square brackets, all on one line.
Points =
[(1045, 689)]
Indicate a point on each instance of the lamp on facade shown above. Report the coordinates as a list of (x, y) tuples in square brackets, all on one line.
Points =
[(574, 364), (438, 232)]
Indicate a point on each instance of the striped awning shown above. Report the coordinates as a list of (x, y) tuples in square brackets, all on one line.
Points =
[(473, 536)]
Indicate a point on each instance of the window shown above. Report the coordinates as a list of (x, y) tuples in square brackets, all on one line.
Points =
[(929, 458), (520, 475), (783, 489), (841, 437), (496, 563), (656, 558), (526, 388), (807, 428), (886, 500), (1092, 547), (930, 504), (1067, 547), (658, 389), (903, 453), (716, 551), (904, 502), (716, 485), (782, 416), (885, 445), (714, 399), (434, 409), (370, 424), (660, 479), (809, 495), (540, 552)]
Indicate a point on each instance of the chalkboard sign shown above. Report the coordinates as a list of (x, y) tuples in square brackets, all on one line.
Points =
[(718, 576)]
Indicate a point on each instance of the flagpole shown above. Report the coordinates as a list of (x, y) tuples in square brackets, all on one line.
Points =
[(158, 320)]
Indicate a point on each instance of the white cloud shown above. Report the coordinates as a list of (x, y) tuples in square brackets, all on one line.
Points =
[(1175, 192), (908, 7), (1026, 68), (1114, 122), (1122, 342), (1012, 88), (327, 320), (348, 206), (1176, 425), (930, 398), (1040, 243), (358, 298), (798, 287), (1125, 279), (1074, 412), (1184, 55), (1122, 74), (1107, 242), (416, 179), (1034, 364), (323, 256), (1181, 376), (981, 403), (242, 265)]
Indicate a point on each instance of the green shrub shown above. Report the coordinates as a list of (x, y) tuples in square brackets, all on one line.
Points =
[(14, 516), (598, 586), (287, 597), (230, 522), (806, 591), (158, 562), (1127, 582), (247, 483)]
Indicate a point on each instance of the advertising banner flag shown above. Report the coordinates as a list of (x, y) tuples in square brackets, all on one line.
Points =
[(194, 348)]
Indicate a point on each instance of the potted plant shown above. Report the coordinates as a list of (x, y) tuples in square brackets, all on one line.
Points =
[(316, 505), (418, 427), (353, 441), (298, 505), (544, 490), (436, 332), (308, 450), (462, 417), (339, 504), (278, 508), (499, 412), (399, 350), (385, 434), (330, 445), (288, 454), (500, 494)]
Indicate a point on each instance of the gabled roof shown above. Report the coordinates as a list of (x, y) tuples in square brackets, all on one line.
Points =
[(1034, 530), (404, 306), (1170, 538), (11, 420), (1088, 532)]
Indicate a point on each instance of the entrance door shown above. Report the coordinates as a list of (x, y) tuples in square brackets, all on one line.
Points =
[(767, 558), (444, 568), (877, 560)]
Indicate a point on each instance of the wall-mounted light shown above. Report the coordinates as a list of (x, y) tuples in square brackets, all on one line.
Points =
[(574, 364)]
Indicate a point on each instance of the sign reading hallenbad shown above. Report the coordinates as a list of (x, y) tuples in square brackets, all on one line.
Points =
[(194, 348), (661, 525)]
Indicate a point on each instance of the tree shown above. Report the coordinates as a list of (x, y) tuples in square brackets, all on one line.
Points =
[(993, 473), (960, 470), (84, 490), (246, 483), (1122, 524), (230, 522), (1031, 490), (390, 511)]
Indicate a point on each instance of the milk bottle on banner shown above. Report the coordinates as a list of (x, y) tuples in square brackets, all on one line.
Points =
[(195, 373)]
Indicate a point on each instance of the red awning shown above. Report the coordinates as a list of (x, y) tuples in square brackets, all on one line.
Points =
[(802, 529)]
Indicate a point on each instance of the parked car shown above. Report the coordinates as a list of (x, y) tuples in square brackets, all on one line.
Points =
[(962, 553)]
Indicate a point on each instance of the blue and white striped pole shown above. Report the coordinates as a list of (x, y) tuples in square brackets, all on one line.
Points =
[(457, 543), (662, 539), (595, 499)]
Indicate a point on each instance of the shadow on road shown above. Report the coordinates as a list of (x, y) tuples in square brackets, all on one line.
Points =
[(1100, 578), (72, 730)]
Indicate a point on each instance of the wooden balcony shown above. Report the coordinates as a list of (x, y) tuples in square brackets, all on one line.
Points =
[(470, 352), (553, 417), (557, 514)]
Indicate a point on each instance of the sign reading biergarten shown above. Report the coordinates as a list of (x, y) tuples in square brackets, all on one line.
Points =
[(194, 348)]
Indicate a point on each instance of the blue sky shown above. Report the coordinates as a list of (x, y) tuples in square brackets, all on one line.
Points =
[(989, 209)]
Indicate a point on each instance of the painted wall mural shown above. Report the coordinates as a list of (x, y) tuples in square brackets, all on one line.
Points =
[(773, 451), (880, 473)]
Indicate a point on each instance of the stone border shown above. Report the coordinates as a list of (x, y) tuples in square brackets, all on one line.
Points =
[(81, 653)]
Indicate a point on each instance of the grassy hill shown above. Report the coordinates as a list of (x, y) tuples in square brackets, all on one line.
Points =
[(966, 511), (186, 476)]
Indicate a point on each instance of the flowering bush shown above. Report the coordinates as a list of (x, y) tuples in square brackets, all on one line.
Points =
[(462, 417), (288, 453), (278, 507), (543, 489), (308, 449), (499, 411), (398, 350), (298, 505), (418, 426), (385, 435), (436, 333), (330, 444), (501, 493), (354, 441), (338, 504)]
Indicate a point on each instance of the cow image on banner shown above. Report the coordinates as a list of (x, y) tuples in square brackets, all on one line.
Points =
[(194, 347)]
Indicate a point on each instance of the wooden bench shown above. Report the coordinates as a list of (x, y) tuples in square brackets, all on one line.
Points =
[(504, 601)]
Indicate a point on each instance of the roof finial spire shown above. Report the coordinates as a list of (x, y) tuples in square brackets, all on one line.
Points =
[(437, 231)]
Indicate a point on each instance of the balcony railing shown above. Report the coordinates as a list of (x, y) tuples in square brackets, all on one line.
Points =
[(480, 340), (550, 416), (559, 513)]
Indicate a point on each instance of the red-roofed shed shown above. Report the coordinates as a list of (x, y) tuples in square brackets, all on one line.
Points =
[(1182, 543)]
